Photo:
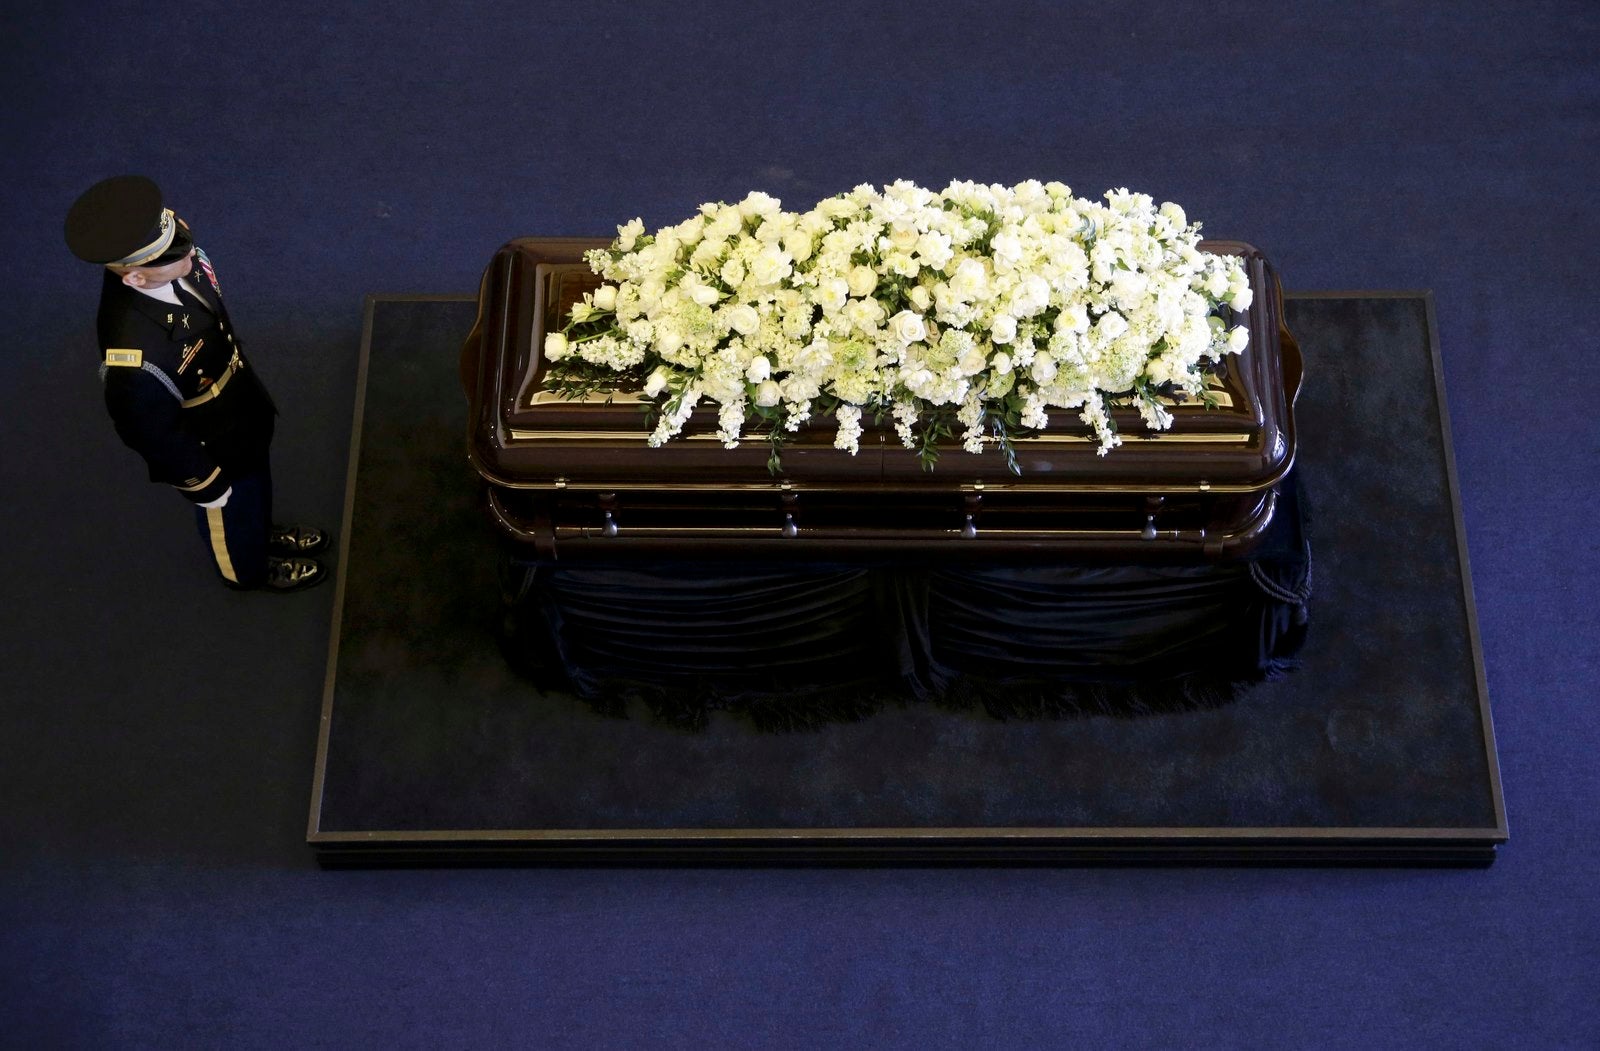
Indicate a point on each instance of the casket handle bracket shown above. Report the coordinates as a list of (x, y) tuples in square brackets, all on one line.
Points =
[(608, 507), (972, 503), (789, 500)]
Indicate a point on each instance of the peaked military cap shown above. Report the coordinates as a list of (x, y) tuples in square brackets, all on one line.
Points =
[(121, 221)]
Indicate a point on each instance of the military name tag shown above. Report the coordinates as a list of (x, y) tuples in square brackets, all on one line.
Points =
[(130, 358)]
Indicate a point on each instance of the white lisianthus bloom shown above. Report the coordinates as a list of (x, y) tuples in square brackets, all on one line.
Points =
[(555, 346), (744, 319), (903, 236), (1007, 249), (907, 327), (771, 265), (706, 254), (862, 279), (757, 203), (1003, 329), (582, 312), (903, 263), (864, 314), (628, 234), (971, 279), (605, 297), (724, 224), (832, 294), (933, 248)]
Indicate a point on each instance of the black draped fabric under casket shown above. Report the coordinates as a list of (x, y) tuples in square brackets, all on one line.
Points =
[(798, 644)]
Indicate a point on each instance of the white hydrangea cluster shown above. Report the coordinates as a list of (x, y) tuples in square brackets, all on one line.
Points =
[(910, 302)]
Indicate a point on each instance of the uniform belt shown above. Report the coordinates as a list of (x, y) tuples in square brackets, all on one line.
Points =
[(234, 365)]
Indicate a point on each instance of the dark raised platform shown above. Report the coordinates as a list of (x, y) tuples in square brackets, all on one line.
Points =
[(1380, 749)]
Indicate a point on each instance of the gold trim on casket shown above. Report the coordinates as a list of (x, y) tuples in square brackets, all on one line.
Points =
[(575, 477)]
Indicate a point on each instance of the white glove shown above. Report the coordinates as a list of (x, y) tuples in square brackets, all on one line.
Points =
[(219, 501)]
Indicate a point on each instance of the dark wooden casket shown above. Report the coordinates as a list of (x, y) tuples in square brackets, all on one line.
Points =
[(576, 479)]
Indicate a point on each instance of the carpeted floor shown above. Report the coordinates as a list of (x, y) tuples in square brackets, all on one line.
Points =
[(157, 734)]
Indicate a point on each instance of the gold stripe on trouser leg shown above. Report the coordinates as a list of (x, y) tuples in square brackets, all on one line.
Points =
[(219, 544)]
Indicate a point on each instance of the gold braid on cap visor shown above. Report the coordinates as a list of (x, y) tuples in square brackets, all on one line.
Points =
[(163, 241)]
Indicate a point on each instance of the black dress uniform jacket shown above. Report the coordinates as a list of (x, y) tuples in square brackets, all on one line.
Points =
[(179, 388)]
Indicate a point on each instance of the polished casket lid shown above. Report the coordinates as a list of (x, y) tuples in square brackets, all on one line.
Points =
[(526, 437)]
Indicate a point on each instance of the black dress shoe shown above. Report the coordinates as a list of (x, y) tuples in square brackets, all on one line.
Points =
[(296, 539), (293, 574)]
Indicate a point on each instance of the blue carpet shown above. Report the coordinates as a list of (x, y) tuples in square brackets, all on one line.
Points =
[(157, 732)]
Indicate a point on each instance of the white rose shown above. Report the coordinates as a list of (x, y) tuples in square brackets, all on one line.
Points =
[(920, 298), (1242, 299), (908, 327), (1174, 215), (903, 237), (1111, 325), (705, 295), (1003, 329), (759, 370), (863, 279), (744, 319), (656, 383), (732, 272), (1074, 318), (1044, 369), (1001, 364), (555, 346), (1238, 339), (605, 297), (768, 394)]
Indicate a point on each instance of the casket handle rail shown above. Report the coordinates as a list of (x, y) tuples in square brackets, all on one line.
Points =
[(549, 539)]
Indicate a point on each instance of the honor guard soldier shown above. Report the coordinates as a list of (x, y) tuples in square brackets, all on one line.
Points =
[(179, 388)]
